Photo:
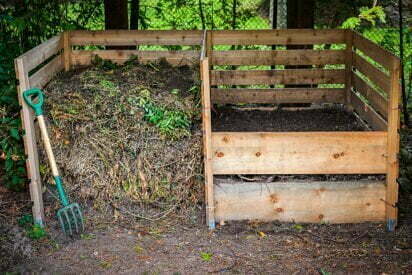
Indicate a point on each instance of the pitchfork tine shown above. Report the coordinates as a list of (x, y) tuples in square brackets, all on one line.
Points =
[(74, 220), (61, 223), (80, 215), (68, 222)]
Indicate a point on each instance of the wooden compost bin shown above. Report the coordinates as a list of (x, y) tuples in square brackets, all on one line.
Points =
[(373, 152), (371, 92)]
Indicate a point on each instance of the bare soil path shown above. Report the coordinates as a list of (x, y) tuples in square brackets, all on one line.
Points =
[(169, 247)]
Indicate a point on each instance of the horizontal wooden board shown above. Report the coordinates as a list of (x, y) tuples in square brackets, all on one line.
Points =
[(301, 202), (373, 50), (374, 74), (376, 100), (367, 113), (299, 152), (135, 37), (46, 73), (287, 76), (41, 53), (279, 57), (277, 96), (277, 37), (81, 58)]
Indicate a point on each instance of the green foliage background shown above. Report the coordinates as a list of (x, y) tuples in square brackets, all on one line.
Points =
[(26, 23)]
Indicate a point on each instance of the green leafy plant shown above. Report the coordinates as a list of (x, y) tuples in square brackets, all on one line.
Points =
[(33, 231), (36, 232), (25, 221), (369, 15), (206, 256), (172, 123)]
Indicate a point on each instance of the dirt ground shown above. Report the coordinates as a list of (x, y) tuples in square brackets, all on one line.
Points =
[(173, 246)]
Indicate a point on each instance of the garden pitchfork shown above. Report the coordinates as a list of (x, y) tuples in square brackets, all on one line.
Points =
[(70, 215)]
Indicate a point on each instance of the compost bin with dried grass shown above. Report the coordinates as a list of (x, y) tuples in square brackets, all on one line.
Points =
[(128, 138)]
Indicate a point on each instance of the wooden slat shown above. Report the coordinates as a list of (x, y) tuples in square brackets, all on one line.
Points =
[(368, 114), (30, 144), (207, 143), (67, 53), (393, 146), (287, 76), (278, 37), (299, 152), (373, 50), (135, 37), (83, 58), (46, 73), (376, 100), (278, 57), (348, 66), (378, 77), (36, 56), (203, 50), (277, 96), (301, 202)]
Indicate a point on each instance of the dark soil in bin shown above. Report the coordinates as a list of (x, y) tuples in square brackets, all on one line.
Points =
[(270, 119), (245, 119)]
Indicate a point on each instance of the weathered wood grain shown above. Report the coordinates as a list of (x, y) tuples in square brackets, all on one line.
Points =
[(378, 77), (277, 96), (277, 37), (46, 73), (367, 113), (299, 152), (301, 202), (376, 100), (278, 57), (271, 77), (135, 37)]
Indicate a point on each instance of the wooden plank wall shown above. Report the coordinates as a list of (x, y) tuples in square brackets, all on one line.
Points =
[(301, 202), (376, 74), (299, 153), (318, 74), (35, 69), (136, 38)]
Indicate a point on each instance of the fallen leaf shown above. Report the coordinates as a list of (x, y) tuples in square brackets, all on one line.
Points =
[(262, 234)]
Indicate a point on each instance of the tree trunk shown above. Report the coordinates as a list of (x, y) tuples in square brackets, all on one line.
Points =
[(115, 15), (116, 18), (234, 7), (134, 15), (300, 15), (202, 15)]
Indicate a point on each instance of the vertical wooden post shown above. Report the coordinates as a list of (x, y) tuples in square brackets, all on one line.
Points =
[(209, 46), (393, 146), (30, 145), (207, 143), (67, 50), (348, 67)]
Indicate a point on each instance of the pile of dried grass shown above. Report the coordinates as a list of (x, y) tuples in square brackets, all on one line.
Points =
[(128, 136)]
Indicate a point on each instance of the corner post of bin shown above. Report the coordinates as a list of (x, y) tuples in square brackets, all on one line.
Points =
[(30, 145), (67, 50), (348, 67), (207, 130), (393, 145)]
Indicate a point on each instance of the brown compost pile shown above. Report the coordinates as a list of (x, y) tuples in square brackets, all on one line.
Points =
[(128, 137)]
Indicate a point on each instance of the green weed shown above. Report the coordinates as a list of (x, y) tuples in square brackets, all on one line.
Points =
[(33, 231), (171, 123), (36, 232), (206, 256)]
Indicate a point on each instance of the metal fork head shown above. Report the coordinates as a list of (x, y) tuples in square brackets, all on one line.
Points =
[(70, 217)]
